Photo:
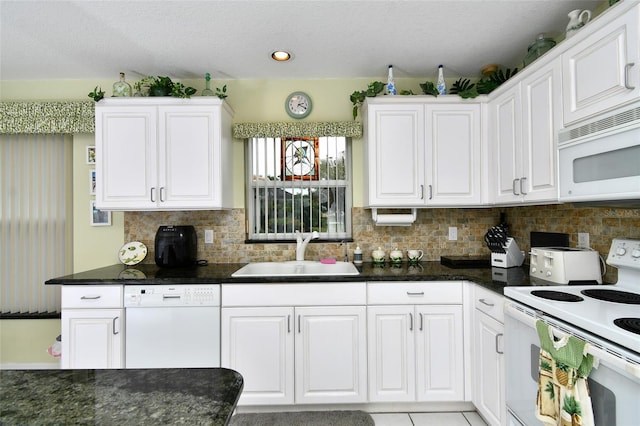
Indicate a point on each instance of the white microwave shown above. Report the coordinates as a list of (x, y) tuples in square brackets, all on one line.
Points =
[(599, 161)]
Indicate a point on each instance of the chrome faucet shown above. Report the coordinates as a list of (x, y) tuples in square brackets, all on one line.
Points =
[(301, 245)]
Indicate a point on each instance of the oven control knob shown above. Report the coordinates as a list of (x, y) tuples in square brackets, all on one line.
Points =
[(635, 253), (533, 269), (548, 273), (621, 251)]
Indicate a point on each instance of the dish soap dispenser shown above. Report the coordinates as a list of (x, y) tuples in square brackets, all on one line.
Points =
[(357, 256)]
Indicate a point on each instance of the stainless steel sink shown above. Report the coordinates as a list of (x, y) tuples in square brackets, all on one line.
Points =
[(295, 268)]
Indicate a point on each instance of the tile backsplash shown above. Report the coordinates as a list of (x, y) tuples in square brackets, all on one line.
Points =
[(429, 232)]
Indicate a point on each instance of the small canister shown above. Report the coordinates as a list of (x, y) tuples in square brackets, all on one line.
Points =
[(539, 47)]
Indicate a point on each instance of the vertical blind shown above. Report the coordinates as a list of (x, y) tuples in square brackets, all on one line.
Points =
[(35, 228), (298, 184)]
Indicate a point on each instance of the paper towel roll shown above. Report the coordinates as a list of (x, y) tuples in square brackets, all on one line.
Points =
[(397, 219)]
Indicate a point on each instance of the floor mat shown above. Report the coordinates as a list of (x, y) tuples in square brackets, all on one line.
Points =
[(303, 418)]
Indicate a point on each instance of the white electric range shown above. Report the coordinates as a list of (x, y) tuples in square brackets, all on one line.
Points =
[(607, 317)]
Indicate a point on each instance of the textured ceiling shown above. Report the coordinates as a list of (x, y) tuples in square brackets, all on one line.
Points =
[(233, 39)]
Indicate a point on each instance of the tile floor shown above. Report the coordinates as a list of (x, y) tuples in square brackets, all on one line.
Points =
[(466, 418)]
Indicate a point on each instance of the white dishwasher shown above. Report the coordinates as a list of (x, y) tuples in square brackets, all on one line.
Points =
[(172, 326)]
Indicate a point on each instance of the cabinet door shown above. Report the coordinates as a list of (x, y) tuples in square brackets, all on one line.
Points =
[(187, 149), (439, 353), (453, 154), (391, 353), (331, 360), (506, 139), (601, 71), (489, 369), (541, 110), (258, 343), (395, 155), (126, 173), (92, 338)]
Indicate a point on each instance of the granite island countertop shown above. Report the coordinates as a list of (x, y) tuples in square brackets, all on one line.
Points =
[(494, 279), (117, 397)]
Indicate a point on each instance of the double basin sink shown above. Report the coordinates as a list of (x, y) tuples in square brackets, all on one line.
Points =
[(295, 268)]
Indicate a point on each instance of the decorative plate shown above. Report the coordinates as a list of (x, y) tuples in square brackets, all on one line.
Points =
[(132, 253)]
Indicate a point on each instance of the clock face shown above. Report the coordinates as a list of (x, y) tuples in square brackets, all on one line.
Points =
[(300, 158), (298, 105)]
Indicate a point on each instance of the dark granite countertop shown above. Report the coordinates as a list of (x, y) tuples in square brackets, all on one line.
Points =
[(118, 397), (494, 279)]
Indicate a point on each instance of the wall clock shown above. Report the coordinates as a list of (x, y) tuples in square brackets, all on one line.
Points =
[(298, 105), (300, 158)]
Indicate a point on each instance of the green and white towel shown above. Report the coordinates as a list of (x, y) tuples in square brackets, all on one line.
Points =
[(563, 394)]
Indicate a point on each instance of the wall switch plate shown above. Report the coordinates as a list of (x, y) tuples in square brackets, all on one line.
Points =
[(583, 239), (453, 233), (208, 236)]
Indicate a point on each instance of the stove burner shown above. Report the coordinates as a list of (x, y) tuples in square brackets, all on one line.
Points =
[(613, 296), (557, 295), (629, 324)]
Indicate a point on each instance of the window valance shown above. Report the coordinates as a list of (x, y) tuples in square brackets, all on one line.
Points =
[(47, 117), (351, 129)]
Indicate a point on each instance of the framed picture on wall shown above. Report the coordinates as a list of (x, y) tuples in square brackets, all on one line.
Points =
[(92, 182), (99, 217), (91, 154)]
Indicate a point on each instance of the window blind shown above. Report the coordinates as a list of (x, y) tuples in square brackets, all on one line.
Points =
[(298, 184), (35, 228)]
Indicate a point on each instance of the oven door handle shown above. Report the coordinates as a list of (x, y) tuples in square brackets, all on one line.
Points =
[(603, 355)]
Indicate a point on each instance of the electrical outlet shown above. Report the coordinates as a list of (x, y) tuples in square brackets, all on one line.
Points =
[(208, 236), (453, 233), (583, 239)]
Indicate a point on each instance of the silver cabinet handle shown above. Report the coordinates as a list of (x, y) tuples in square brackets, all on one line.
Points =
[(162, 194), (514, 186), (151, 194), (498, 338), (421, 321), (410, 321), (626, 75), (299, 324), (415, 293), (90, 297), (288, 323), (484, 302), (422, 192), (114, 325), (431, 192), (522, 180)]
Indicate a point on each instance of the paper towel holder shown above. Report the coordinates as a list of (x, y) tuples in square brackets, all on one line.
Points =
[(396, 219)]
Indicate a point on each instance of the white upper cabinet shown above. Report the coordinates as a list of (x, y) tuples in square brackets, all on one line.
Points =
[(163, 154), (602, 71), (524, 122), (395, 154), (421, 151)]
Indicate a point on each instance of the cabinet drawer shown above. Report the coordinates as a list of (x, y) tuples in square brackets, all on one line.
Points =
[(294, 294), (489, 302), (88, 296), (422, 293)]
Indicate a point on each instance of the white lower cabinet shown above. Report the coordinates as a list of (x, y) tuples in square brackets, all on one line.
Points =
[(415, 342), (92, 327), (489, 375), (296, 354)]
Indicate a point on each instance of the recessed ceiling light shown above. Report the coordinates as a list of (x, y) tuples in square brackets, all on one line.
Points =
[(281, 56)]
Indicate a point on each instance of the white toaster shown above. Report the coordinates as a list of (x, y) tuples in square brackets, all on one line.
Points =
[(564, 265)]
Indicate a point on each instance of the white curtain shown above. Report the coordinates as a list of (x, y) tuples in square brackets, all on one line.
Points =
[(35, 220)]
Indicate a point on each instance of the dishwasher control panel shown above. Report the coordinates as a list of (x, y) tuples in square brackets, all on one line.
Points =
[(172, 295)]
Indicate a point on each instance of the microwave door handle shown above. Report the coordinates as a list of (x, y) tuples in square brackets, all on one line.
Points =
[(626, 75)]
